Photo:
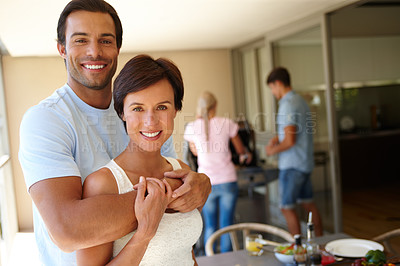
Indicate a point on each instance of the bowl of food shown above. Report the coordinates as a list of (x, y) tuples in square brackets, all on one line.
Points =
[(284, 253)]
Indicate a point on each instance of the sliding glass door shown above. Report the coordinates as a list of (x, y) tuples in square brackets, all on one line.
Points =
[(301, 53), (304, 50), (253, 100), (8, 218)]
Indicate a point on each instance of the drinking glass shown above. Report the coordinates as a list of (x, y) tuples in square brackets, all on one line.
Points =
[(253, 246)]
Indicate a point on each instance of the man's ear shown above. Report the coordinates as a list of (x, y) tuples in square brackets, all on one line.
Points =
[(61, 50)]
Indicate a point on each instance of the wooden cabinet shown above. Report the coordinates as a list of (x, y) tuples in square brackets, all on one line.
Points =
[(369, 160)]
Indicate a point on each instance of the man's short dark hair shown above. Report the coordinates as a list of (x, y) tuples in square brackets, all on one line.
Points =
[(281, 74), (91, 6)]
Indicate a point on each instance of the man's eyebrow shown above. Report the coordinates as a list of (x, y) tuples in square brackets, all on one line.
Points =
[(108, 35), (78, 33), (85, 34)]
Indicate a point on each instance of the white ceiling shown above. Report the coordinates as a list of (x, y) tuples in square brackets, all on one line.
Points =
[(28, 27)]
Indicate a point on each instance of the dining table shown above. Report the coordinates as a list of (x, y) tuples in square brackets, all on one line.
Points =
[(241, 257)]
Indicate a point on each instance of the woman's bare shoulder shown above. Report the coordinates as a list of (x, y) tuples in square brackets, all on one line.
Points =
[(99, 183), (183, 165)]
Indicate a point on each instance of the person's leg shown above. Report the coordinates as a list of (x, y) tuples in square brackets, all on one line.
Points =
[(292, 221), (210, 214), (289, 189), (306, 200), (316, 217), (227, 205)]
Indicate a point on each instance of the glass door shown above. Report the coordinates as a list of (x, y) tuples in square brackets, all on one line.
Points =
[(253, 100), (8, 217), (302, 54), (304, 49)]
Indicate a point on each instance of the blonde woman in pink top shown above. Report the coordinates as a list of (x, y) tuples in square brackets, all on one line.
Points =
[(208, 138)]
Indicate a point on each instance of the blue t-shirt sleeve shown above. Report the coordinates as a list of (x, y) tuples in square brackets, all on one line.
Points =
[(46, 146), (288, 116), (167, 150)]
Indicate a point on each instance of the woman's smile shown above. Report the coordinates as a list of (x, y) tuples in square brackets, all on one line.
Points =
[(152, 135)]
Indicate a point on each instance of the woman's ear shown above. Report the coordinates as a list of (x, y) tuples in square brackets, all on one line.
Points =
[(123, 117)]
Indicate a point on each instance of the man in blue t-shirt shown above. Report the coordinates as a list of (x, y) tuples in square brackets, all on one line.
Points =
[(294, 144), (75, 131)]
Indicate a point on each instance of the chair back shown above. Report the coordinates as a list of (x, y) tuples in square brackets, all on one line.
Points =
[(245, 229), (386, 240)]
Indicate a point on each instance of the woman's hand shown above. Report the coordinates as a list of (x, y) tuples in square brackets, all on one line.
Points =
[(150, 206), (152, 198)]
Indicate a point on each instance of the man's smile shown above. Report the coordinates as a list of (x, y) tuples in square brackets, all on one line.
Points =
[(94, 67)]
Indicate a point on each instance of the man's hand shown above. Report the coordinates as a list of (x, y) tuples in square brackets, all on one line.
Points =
[(274, 146), (193, 193), (274, 141), (270, 150)]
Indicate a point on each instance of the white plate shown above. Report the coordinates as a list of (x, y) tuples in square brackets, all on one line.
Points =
[(352, 247)]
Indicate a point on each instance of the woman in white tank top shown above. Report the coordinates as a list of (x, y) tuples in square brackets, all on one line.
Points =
[(147, 95)]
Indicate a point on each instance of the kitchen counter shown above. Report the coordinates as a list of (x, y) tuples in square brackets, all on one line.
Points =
[(369, 133)]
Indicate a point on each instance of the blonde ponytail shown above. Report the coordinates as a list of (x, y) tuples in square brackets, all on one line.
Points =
[(206, 102)]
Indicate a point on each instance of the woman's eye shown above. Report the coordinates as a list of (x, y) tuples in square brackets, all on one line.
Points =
[(162, 107), (137, 109)]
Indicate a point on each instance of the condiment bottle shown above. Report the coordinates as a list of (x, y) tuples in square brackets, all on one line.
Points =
[(299, 252), (313, 252)]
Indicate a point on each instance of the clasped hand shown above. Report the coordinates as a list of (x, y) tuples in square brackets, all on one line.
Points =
[(152, 199), (192, 194)]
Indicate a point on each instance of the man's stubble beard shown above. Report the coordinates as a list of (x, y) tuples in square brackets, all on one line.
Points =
[(82, 79)]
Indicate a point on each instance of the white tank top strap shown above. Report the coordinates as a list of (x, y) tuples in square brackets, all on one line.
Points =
[(174, 162), (123, 182)]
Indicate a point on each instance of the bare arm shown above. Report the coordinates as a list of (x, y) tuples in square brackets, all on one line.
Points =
[(244, 155), (288, 141), (75, 223), (149, 210), (192, 148), (194, 258)]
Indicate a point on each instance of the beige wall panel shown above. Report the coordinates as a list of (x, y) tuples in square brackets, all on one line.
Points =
[(28, 80)]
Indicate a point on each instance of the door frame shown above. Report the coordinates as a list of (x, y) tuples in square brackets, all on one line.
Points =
[(322, 21)]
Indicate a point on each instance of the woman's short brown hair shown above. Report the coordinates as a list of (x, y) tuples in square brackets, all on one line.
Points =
[(143, 71)]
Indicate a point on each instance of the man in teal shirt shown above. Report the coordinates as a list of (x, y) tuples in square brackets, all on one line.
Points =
[(294, 144)]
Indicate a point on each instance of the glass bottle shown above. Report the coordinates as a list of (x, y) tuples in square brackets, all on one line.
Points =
[(299, 252), (313, 251)]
